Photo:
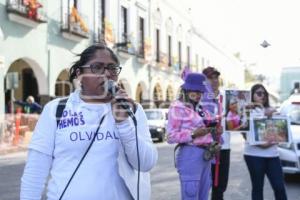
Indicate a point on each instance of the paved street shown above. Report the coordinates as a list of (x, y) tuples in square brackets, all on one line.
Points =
[(165, 183), (11, 169)]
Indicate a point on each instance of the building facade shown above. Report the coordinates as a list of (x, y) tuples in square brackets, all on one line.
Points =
[(154, 40)]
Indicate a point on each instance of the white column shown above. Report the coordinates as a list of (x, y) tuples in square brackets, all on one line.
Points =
[(2, 94)]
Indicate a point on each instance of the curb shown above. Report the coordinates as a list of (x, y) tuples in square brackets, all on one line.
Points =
[(12, 149)]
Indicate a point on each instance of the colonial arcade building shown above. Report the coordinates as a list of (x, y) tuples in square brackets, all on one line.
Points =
[(154, 39)]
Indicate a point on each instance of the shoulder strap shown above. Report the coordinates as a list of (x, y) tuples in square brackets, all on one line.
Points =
[(60, 108), (83, 157), (134, 107)]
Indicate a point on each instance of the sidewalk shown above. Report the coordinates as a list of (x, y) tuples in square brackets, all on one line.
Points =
[(16, 138), (7, 149)]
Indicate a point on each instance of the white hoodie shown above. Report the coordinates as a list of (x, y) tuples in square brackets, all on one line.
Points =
[(109, 170)]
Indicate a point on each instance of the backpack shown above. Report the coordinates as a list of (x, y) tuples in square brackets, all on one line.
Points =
[(60, 109)]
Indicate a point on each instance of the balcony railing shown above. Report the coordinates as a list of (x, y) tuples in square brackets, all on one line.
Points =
[(30, 11), (126, 46), (76, 25)]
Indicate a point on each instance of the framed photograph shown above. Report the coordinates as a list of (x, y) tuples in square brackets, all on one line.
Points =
[(236, 114), (274, 130)]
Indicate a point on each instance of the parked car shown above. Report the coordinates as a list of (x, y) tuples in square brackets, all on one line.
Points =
[(290, 153), (157, 120)]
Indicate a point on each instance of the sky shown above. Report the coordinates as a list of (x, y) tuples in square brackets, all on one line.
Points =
[(242, 25)]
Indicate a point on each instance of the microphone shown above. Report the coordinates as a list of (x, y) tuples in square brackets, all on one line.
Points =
[(112, 88)]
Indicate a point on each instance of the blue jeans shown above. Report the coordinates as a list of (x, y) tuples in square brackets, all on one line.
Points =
[(259, 167)]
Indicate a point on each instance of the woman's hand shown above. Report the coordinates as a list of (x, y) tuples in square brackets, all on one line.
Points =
[(219, 130), (266, 145), (242, 126), (269, 112), (253, 105), (199, 132), (120, 114)]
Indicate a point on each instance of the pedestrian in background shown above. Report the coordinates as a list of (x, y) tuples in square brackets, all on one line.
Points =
[(213, 76), (30, 106), (263, 159), (186, 127), (91, 151)]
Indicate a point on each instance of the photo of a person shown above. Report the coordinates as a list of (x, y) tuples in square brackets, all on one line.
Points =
[(273, 130), (236, 114), (233, 119)]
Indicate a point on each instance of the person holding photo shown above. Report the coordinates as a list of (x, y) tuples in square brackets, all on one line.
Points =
[(263, 159)]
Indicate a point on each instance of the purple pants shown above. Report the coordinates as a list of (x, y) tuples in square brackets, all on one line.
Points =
[(194, 173)]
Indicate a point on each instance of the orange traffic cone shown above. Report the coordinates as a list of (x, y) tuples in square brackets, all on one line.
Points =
[(17, 131)]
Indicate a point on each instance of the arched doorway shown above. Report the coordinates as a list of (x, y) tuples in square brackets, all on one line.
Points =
[(142, 96), (27, 84), (139, 94), (63, 87), (157, 95), (169, 96)]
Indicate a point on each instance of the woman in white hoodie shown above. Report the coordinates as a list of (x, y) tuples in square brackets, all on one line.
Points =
[(90, 149)]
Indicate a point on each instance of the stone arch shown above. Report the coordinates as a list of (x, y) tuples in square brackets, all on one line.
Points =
[(141, 92), (31, 80), (63, 87), (169, 94), (169, 97), (157, 95)]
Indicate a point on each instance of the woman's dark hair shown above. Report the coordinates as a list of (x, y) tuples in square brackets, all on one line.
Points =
[(184, 97), (87, 55), (255, 87)]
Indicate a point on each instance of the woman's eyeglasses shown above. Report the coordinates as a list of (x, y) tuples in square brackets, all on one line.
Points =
[(260, 93), (99, 68)]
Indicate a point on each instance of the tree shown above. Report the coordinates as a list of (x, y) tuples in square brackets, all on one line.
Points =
[(261, 78), (249, 76)]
